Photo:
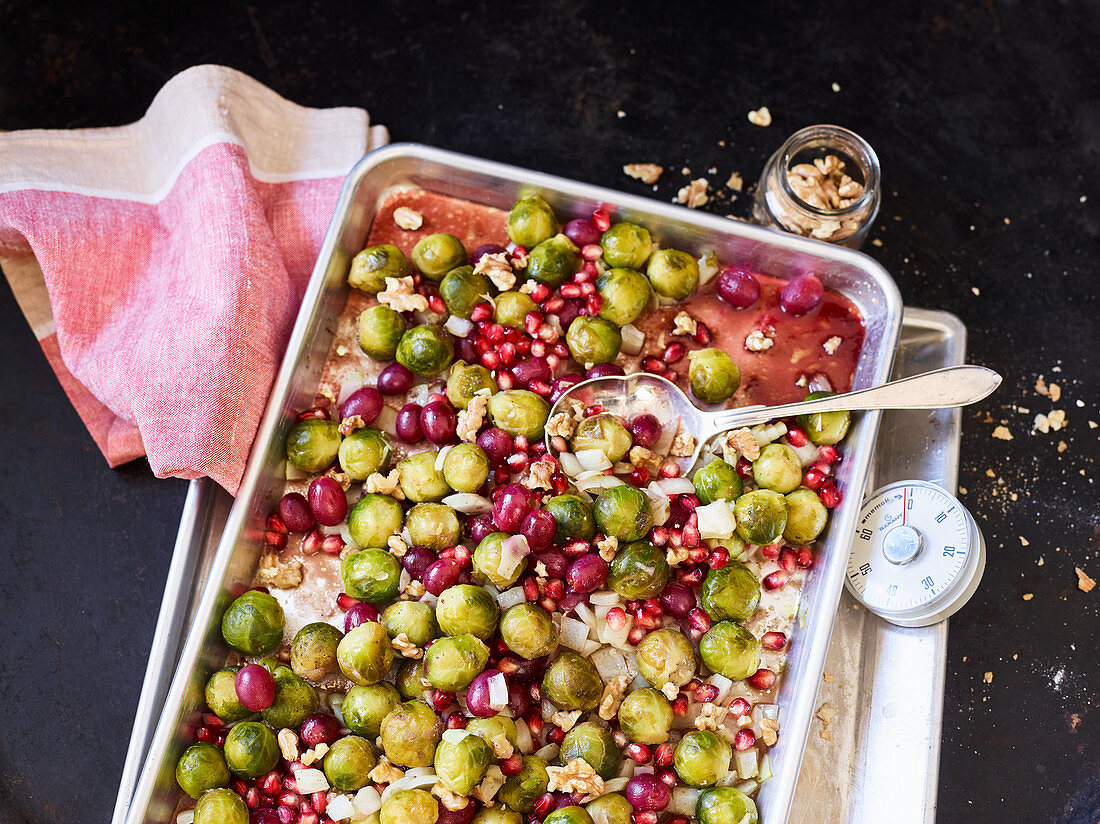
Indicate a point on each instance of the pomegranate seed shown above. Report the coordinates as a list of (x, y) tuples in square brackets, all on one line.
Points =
[(531, 589), (311, 541), (652, 365), (698, 554), (593, 251), (739, 707), (773, 640), (512, 765), (271, 784), (556, 734), (523, 347), (770, 551), (690, 503), (507, 353), (286, 815), (744, 469), (659, 536), (812, 479), (796, 436), (308, 816), (601, 219), (691, 577), (588, 288), (805, 557), (829, 494), (691, 539), (555, 588), (540, 388), (553, 305), (762, 679), (594, 304), (517, 463), (561, 350), (345, 601), (505, 381), (275, 539), (532, 321), (275, 524), (674, 352), (663, 755), (670, 469), (677, 819), (290, 799), (822, 467), (828, 454), (333, 544), (548, 604), (636, 635), (457, 721), (204, 734), (538, 349), (744, 739), (616, 618), (638, 753), (547, 333), (706, 693), (702, 334), (570, 290), (675, 538), (680, 705), (653, 607), (436, 304), (521, 444), (240, 787), (775, 580), (787, 559), (718, 558), (312, 413), (699, 620), (319, 801), (544, 805), (540, 292), (490, 360), (442, 699), (480, 313)]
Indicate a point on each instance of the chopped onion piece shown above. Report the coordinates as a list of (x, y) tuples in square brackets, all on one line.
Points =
[(609, 663), (622, 468), (708, 266), (676, 486), (548, 710), (633, 339), (683, 801), (589, 647), (409, 782), (766, 433), (386, 420), (510, 597), (441, 456), (339, 808), (585, 614), (491, 784), (820, 383), (187, 816), (293, 473), (747, 763), (765, 768), (769, 711), (668, 435), (524, 742), (404, 580), (513, 550), (498, 692), (469, 504), (459, 327), (659, 504), (598, 483), (608, 598), (456, 736), (345, 534), (569, 464), (311, 781), (616, 784), (628, 769), (807, 453), (593, 459), (716, 520), (573, 633), (748, 788), (550, 752)]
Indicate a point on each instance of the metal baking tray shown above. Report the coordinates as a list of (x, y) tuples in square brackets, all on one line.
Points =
[(856, 276)]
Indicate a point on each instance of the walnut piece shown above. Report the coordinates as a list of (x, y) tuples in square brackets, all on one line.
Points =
[(489, 786), (743, 441), (1001, 433), (613, 694), (498, 269), (710, 717), (538, 475), (758, 341), (646, 172), (408, 219), (400, 295), (341, 478), (824, 184), (735, 183), (561, 425), (832, 344), (406, 647), (471, 418), (397, 546), (769, 731), (576, 776), (501, 746), (607, 547), (694, 194), (379, 484), (683, 445), (670, 690), (1084, 582), (288, 744), (276, 573), (640, 456), (676, 555), (349, 425), (760, 117), (684, 324), (413, 591), (448, 799), (385, 772), (566, 720), (314, 755)]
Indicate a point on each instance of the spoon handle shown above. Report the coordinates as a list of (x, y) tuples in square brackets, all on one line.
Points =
[(939, 389)]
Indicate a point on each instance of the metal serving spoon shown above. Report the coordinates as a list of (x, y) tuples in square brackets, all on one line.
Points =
[(631, 395)]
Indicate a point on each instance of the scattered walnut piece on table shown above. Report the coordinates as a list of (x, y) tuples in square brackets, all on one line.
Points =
[(694, 194), (646, 172), (408, 219), (1084, 582), (1001, 433), (735, 183), (758, 341), (760, 117)]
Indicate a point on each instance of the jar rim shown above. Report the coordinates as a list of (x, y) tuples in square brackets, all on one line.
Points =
[(851, 144)]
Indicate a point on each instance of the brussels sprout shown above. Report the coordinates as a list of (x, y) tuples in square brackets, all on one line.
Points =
[(461, 766), (593, 340), (553, 261), (674, 274), (490, 728), (646, 716), (712, 375), (486, 562), (466, 609), (717, 481), (495, 815), (370, 575), (414, 620), (640, 570), (436, 255), (604, 432), (371, 267), (519, 412), (253, 624), (410, 734), (612, 808), (411, 681), (364, 452), (451, 663), (364, 708), (531, 221), (623, 511), (365, 654), (465, 381), (251, 749), (221, 806), (569, 815), (348, 763), (426, 349), (529, 631), (731, 593), (313, 653), (777, 468), (806, 516), (625, 294), (463, 289), (375, 518), (512, 308), (520, 791), (312, 444), (702, 758), (825, 427), (573, 516), (420, 480), (595, 745), (761, 516), (666, 655), (626, 246), (724, 804), (466, 467), (730, 650), (380, 330), (409, 807), (434, 526), (201, 768), (572, 683), (221, 696)]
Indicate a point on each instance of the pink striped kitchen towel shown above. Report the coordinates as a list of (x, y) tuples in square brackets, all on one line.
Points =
[(161, 264)]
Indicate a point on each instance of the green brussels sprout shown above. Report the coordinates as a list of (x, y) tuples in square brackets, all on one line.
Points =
[(519, 412), (512, 308), (364, 708), (463, 289), (777, 468), (364, 452), (702, 758), (466, 609), (572, 683), (413, 619), (645, 715), (522, 790), (409, 807), (640, 570), (426, 349), (466, 467), (251, 749), (411, 681), (626, 246), (371, 267), (712, 375), (717, 481), (410, 734), (529, 631), (664, 656), (375, 518), (295, 700), (573, 516), (531, 221), (371, 575), (434, 526), (761, 516), (420, 480), (451, 663), (486, 562), (593, 341), (221, 806), (348, 763), (724, 804), (436, 255), (623, 511), (553, 261), (806, 516), (312, 444), (465, 381), (569, 815), (595, 745), (731, 593), (730, 650), (674, 274), (625, 294), (461, 766), (365, 654), (490, 728), (221, 696), (201, 768), (380, 330), (253, 624), (825, 428), (604, 432), (496, 815), (313, 653), (612, 808)]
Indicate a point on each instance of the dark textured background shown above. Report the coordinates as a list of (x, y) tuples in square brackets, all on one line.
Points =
[(986, 117)]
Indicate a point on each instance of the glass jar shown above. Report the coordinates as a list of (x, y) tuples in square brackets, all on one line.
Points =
[(822, 183)]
